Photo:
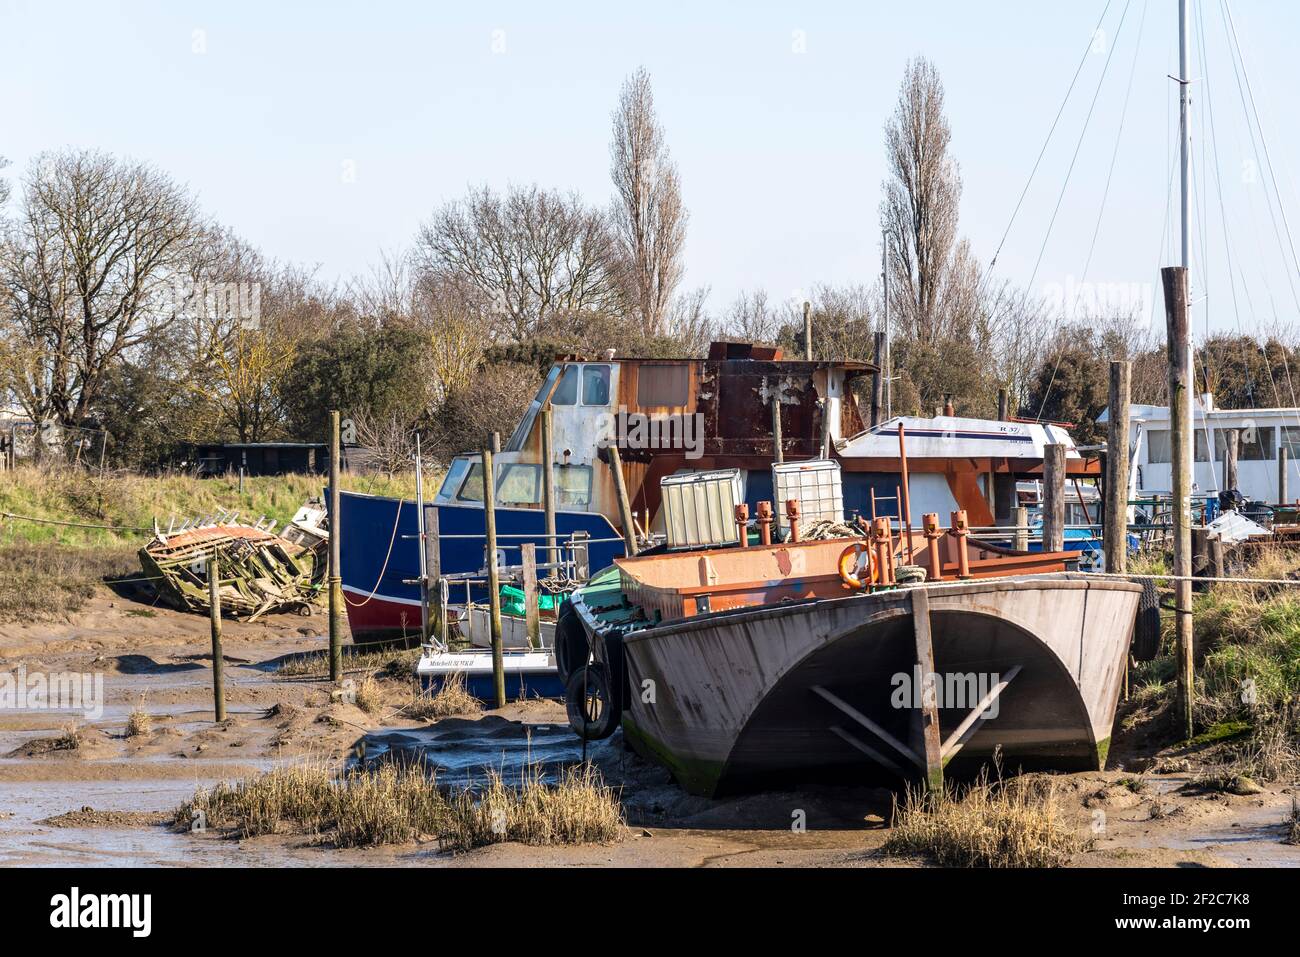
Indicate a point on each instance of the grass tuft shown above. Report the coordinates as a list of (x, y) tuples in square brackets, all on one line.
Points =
[(579, 809), (139, 722), (451, 698), (398, 804), (1015, 823)]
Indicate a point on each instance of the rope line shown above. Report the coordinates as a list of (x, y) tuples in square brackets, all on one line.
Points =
[(379, 581)]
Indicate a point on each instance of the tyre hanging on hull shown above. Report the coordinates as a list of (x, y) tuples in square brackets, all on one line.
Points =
[(572, 649), (1146, 630), (593, 713)]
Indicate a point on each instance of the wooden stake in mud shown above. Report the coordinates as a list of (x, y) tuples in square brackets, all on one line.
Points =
[(532, 614), (1053, 497), (336, 552), (930, 744), (218, 664), (548, 487), (432, 570), (1115, 534), (494, 580), (624, 505), (1174, 279)]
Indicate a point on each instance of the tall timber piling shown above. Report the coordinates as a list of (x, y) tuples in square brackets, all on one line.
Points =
[(1115, 532), (1282, 476), (493, 573), (336, 553), (1174, 279), (1053, 497), (214, 616), (548, 487)]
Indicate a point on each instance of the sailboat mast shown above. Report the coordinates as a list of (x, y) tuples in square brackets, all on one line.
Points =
[(1185, 132)]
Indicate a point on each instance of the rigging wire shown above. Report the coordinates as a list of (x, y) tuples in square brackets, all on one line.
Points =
[(1042, 249), (1037, 162), (1119, 135)]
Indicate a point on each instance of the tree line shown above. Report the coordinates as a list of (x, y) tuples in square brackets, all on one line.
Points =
[(127, 310)]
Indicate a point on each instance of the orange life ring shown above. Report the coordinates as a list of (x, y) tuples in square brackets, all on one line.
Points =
[(857, 558)]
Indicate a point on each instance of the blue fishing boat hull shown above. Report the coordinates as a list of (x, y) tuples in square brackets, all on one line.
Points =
[(380, 553)]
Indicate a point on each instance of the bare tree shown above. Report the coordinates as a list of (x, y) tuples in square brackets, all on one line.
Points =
[(920, 207), (4, 183), (84, 273), (649, 218), (529, 254)]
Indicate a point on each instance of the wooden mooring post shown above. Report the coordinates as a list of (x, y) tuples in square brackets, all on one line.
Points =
[(1115, 532), (1282, 456), (214, 614), (1022, 529), (624, 504), (494, 579), (927, 741), (1053, 497), (336, 552), (548, 487), (1231, 453), (431, 589), (1174, 280), (1002, 405), (878, 382), (532, 614)]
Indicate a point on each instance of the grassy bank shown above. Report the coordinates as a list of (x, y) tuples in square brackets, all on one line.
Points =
[(133, 502), (1247, 642)]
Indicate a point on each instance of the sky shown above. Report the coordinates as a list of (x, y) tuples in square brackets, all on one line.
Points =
[(326, 133)]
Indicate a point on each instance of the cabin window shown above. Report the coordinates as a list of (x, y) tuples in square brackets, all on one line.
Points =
[(455, 475), (471, 490), (1255, 445), (572, 485), (566, 393), (1158, 447), (1291, 441), (520, 484), (663, 385), (520, 435), (595, 385), (1201, 446)]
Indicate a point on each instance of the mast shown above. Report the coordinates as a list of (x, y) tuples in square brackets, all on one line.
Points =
[(1185, 132)]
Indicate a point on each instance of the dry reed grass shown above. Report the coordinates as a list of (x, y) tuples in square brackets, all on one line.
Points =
[(398, 804), (1016, 823), (451, 698)]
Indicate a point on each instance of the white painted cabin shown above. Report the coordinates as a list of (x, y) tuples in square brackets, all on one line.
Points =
[(1263, 432)]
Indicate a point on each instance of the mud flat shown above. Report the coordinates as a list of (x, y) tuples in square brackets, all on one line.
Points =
[(109, 801)]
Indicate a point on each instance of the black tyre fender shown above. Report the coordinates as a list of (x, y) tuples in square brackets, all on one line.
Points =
[(1146, 630), (593, 714), (571, 646)]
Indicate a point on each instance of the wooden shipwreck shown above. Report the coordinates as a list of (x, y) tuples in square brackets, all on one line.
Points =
[(260, 571)]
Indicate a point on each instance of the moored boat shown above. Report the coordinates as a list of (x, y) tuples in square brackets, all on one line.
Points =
[(756, 666)]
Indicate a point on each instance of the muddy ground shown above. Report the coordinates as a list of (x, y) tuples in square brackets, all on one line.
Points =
[(109, 801)]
